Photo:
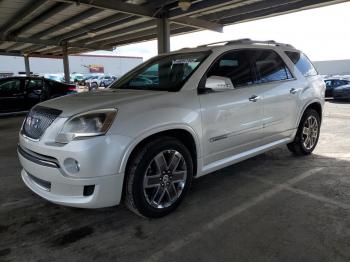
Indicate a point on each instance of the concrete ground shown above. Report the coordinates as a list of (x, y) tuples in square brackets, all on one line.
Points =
[(274, 207)]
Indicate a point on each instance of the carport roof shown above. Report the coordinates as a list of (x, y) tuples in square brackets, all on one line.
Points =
[(41, 27)]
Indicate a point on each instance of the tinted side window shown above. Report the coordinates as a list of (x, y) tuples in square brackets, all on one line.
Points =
[(11, 86), (34, 84), (270, 66), (234, 65), (302, 63)]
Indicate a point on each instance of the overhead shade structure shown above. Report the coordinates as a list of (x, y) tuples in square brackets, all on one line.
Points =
[(43, 27)]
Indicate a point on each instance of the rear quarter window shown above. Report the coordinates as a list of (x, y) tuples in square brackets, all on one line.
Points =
[(302, 62)]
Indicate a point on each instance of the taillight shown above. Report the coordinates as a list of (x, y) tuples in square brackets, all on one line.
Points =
[(72, 88)]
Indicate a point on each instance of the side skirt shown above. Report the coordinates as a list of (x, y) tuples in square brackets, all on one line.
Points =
[(241, 156)]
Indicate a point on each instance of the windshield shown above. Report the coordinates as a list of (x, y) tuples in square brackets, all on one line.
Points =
[(162, 73)]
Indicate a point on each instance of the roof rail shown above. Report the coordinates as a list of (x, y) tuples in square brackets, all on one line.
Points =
[(248, 41)]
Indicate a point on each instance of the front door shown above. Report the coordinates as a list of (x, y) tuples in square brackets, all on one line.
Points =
[(231, 119)]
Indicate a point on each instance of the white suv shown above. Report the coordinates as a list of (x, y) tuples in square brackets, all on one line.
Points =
[(176, 117)]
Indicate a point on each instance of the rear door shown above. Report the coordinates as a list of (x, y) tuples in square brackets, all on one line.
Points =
[(34, 89), (12, 95), (279, 92), (231, 119)]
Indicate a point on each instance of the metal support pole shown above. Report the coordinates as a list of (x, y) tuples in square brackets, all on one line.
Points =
[(163, 28), (65, 64), (26, 65)]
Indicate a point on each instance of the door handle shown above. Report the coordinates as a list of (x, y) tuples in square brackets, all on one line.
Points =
[(254, 98), (293, 91)]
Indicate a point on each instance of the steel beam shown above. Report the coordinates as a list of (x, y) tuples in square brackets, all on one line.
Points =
[(133, 28), (132, 35), (119, 6), (272, 8), (14, 46), (138, 39), (48, 42), (57, 8), (116, 5), (4, 52), (203, 6), (163, 31), (75, 19), (26, 65), (32, 49), (65, 64), (98, 25), (199, 23), (21, 14)]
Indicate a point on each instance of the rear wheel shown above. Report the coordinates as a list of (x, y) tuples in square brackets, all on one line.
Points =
[(158, 177), (307, 135)]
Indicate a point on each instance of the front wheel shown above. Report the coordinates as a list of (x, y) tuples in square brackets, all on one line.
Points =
[(158, 177), (307, 135)]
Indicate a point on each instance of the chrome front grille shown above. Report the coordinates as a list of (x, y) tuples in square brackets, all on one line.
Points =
[(38, 120)]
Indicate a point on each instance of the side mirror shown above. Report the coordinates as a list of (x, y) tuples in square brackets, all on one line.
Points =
[(219, 83)]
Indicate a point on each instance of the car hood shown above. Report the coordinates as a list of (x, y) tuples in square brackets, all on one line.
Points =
[(108, 98)]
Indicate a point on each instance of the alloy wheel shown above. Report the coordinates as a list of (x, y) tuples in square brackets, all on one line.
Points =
[(165, 179), (310, 132)]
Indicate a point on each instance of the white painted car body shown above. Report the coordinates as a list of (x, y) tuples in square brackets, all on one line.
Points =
[(226, 127)]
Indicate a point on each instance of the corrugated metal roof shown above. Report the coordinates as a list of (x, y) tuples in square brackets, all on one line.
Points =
[(41, 27)]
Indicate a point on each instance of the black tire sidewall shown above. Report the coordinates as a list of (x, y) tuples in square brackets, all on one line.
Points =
[(137, 187)]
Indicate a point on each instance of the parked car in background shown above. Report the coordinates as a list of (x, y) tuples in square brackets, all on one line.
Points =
[(342, 92), (176, 117), (99, 81), (107, 80), (91, 82), (77, 78), (21, 93), (111, 80), (332, 83), (85, 78)]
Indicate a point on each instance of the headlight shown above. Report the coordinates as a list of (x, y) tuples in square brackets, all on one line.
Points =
[(92, 123)]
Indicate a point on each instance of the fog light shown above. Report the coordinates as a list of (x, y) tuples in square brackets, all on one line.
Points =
[(71, 165)]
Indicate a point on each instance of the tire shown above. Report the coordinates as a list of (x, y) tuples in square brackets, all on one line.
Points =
[(143, 200), (300, 146)]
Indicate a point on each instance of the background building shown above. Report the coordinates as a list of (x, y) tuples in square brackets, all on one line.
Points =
[(85, 64), (333, 67)]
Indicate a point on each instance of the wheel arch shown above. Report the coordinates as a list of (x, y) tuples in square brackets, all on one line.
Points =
[(185, 134), (316, 105)]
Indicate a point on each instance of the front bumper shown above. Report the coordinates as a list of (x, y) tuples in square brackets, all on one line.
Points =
[(98, 181), (70, 192)]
